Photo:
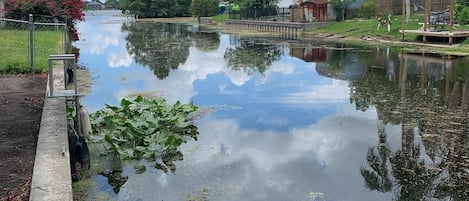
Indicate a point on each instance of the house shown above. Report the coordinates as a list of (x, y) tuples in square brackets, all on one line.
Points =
[(309, 11), (95, 5), (316, 8)]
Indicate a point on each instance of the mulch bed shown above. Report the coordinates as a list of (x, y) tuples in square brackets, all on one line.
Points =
[(21, 103)]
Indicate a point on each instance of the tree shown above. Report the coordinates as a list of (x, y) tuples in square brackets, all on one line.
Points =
[(70, 10), (259, 3), (160, 8), (204, 8), (461, 12), (258, 8), (340, 7), (112, 4), (368, 9)]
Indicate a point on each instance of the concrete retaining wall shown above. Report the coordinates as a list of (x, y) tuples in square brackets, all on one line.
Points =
[(51, 178)]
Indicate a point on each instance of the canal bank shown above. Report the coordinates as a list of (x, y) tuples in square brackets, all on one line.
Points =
[(51, 179), (53, 166), (344, 33)]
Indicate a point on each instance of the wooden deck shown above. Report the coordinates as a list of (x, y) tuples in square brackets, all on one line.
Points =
[(440, 34)]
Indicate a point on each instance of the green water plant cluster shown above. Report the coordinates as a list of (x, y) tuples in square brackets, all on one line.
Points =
[(141, 128)]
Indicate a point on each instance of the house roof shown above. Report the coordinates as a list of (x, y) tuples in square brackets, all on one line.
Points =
[(94, 3), (315, 2)]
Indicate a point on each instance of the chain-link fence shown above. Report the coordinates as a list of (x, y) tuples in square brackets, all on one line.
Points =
[(26, 41)]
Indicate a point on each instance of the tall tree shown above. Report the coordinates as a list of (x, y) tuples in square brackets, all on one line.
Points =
[(160, 8), (204, 8), (340, 7), (259, 3), (112, 3)]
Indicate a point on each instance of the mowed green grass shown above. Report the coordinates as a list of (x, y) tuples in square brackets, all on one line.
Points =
[(368, 27), (221, 18), (358, 28), (14, 50)]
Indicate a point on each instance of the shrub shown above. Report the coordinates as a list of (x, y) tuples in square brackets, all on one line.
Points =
[(71, 10), (204, 8), (463, 17), (368, 9)]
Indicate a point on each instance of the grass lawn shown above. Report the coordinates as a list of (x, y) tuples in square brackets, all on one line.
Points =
[(360, 27), (357, 28), (14, 50), (221, 18)]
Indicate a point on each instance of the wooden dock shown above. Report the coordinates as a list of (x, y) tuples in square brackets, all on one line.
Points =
[(440, 34)]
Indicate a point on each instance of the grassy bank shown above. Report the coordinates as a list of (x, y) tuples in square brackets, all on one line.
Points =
[(221, 18), (359, 30), (14, 50)]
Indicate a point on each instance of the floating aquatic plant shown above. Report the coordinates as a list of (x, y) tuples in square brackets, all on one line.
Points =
[(142, 128)]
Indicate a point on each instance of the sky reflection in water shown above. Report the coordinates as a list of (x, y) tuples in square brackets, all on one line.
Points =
[(278, 135)]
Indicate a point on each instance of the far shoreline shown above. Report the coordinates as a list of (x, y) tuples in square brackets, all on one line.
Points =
[(438, 48)]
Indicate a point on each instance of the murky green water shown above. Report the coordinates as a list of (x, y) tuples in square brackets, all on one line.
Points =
[(291, 121)]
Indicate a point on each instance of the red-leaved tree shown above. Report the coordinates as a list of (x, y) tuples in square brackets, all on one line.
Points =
[(70, 10)]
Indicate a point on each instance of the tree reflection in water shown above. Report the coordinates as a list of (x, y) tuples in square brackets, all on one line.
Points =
[(163, 46), (431, 104), (378, 178), (251, 55)]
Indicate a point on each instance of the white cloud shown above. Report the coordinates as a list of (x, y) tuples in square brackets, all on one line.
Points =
[(105, 36), (335, 92), (119, 59), (282, 67)]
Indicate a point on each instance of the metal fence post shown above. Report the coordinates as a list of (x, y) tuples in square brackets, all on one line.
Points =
[(64, 38), (31, 42), (56, 21)]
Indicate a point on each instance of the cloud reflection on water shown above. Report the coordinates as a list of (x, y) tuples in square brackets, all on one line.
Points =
[(272, 148), (269, 165)]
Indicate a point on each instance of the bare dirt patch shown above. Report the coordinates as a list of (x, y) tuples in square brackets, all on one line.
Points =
[(21, 103)]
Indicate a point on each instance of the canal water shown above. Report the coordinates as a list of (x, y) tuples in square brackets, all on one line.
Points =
[(288, 120)]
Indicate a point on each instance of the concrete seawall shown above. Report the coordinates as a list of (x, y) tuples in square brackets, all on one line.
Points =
[(51, 178)]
